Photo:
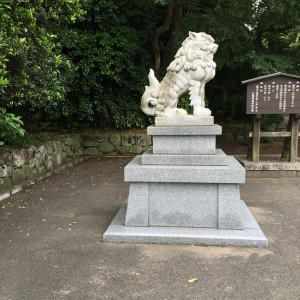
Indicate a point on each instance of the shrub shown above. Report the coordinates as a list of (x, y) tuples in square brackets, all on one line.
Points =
[(10, 127)]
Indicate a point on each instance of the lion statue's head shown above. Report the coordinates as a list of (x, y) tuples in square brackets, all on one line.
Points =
[(197, 50)]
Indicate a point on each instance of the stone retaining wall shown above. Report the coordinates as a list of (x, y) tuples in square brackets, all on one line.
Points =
[(115, 144), (25, 164)]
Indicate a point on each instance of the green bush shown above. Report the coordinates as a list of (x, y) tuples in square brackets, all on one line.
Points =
[(269, 124), (235, 108), (34, 72), (112, 55), (10, 127)]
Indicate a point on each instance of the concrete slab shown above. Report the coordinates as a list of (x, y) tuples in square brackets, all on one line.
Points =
[(269, 165), (217, 159), (136, 172), (185, 130), (276, 168), (184, 121), (252, 235)]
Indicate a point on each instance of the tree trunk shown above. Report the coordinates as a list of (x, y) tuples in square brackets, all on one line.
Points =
[(170, 51), (164, 27)]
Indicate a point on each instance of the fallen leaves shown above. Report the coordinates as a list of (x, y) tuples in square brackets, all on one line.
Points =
[(193, 279)]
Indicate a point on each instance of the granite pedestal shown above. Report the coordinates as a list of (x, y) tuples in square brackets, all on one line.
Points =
[(185, 191)]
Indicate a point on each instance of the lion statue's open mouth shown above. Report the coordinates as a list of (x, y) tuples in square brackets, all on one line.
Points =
[(191, 69)]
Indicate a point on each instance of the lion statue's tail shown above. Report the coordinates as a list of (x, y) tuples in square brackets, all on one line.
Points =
[(151, 94)]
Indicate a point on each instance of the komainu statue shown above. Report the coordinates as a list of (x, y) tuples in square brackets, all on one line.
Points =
[(191, 69)]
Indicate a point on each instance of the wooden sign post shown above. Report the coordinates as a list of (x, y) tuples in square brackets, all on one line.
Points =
[(277, 93)]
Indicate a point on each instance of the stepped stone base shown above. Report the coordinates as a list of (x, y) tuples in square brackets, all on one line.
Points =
[(251, 235), (185, 191)]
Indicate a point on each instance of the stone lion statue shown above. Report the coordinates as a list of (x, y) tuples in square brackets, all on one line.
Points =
[(192, 67)]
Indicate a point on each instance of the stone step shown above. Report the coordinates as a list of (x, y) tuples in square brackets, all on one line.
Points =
[(136, 172), (217, 159), (188, 120)]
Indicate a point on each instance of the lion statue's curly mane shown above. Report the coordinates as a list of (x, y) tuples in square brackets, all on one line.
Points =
[(192, 67)]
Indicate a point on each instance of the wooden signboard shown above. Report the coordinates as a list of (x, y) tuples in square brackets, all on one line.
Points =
[(277, 93)]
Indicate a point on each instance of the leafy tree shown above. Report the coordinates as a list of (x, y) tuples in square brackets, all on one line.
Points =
[(34, 73), (10, 127), (113, 58), (255, 38)]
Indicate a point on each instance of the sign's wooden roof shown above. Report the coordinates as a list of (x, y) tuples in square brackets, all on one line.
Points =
[(269, 76)]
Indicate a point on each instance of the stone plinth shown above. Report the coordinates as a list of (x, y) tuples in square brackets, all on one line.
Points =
[(184, 140), (185, 191)]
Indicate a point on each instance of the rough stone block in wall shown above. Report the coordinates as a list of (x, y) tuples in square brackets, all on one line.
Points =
[(5, 184), (26, 170), (49, 165), (113, 153), (63, 156), (63, 146), (56, 159), (122, 150), (143, 140), (79, 152), (6, 159), (127, 139), (5, 171), (73, 141), (105, 147), (89, 143), (57, 146), (136, 149), (101, 138), (115, 139), (49, 147), (20, 157), (18, 176), (91, 151)]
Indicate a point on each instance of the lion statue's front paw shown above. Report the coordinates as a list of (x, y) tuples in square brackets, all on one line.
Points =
[(201, 112)]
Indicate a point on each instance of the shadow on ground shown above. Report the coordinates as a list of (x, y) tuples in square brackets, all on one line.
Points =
[(51, 246)]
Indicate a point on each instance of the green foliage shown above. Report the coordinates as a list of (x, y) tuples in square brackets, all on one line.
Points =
[(269, 123), (10, 127), (255, 38), (57, 66), (184, 102), (112, 58), (34, 73), (32, 139), (235, 108)]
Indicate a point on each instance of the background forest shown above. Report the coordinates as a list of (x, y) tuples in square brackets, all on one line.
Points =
[(69, 64)]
